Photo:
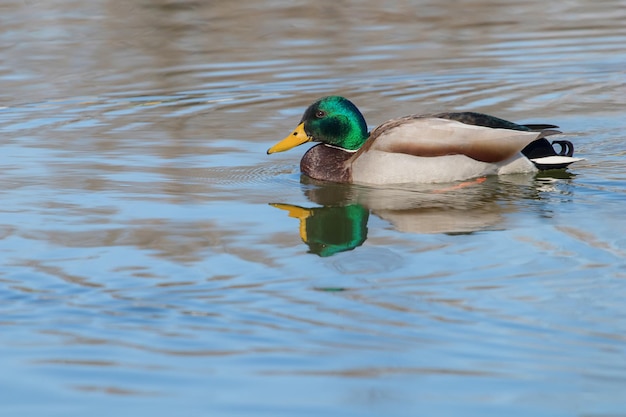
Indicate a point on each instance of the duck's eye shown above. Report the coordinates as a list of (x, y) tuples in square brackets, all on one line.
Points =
[(320, 113)]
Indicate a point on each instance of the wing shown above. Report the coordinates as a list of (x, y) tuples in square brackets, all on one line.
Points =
[(429, 136), (480, 119)]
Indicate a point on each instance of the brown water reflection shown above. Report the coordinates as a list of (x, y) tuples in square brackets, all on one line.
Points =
[(143, 266)]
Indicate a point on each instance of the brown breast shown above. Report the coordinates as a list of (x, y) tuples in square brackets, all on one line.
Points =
[(327, 164)]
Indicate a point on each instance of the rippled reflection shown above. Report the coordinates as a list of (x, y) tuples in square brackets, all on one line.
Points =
[(340, 224)]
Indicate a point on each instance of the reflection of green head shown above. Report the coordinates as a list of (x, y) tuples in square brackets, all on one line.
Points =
[(336, 229), (329, 230)]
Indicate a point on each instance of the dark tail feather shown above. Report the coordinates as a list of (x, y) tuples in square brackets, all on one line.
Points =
[(539, 127)]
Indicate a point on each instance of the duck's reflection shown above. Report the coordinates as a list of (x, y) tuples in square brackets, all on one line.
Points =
[(340, 222)]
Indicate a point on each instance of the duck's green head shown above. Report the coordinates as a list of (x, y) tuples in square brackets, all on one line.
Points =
[(332, 120)]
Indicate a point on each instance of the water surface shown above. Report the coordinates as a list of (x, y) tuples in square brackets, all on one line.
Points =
[(155, 259)]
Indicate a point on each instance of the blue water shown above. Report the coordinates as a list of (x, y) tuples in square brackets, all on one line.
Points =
[(150, 264)]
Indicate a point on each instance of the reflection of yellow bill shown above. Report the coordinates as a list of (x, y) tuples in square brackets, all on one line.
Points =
[(297, 213), (297, 137)]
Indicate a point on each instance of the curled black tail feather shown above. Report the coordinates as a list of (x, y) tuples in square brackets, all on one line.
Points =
[(542, 148)]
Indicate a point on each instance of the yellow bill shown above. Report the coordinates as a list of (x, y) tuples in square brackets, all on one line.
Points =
[(297, 137)]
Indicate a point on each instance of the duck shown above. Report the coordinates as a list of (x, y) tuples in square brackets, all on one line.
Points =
[(431, 148)]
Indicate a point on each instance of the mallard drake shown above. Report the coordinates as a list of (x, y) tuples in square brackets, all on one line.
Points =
[(440, 147)]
